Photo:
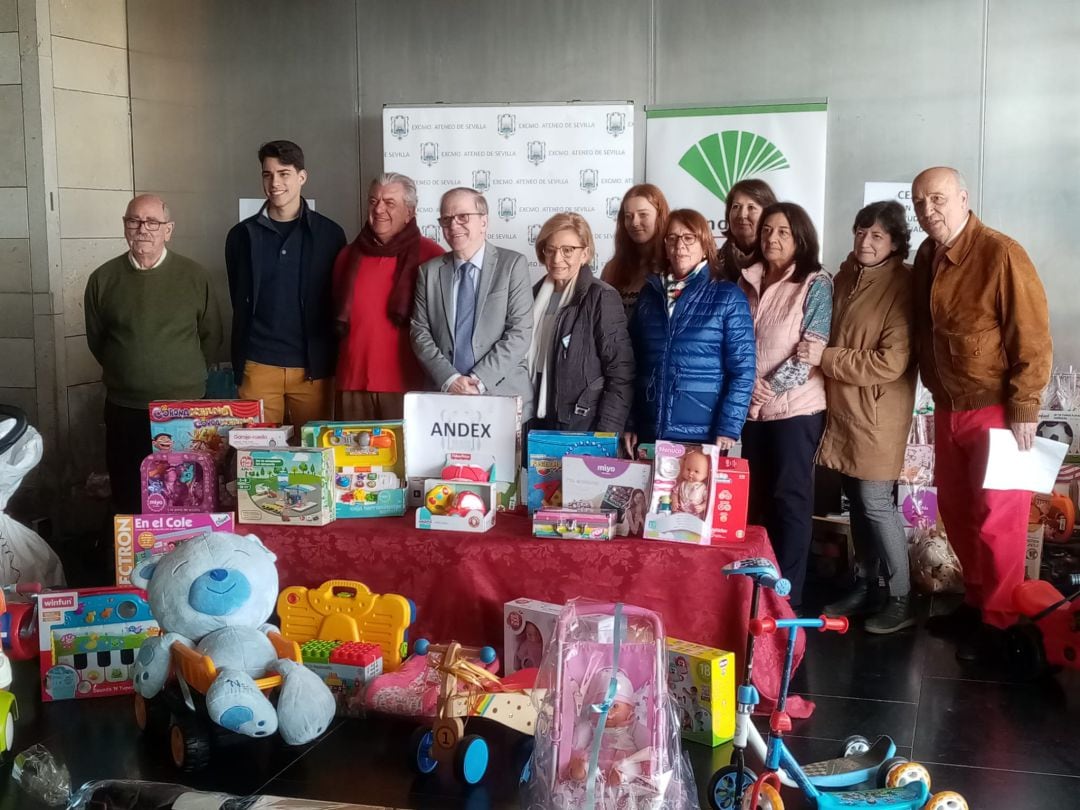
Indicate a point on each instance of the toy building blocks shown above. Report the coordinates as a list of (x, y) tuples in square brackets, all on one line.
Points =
[(346, 667), (369, 465), (88, 640), (285, 486), (591, 482), (179, 482), (564, 523), (547, 448), (138, 537)]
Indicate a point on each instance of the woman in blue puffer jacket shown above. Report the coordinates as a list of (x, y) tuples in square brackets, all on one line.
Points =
[(693, 339)]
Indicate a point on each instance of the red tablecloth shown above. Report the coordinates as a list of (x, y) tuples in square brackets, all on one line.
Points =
[(460, 582)]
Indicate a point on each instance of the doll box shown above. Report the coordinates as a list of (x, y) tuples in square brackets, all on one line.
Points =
[(439, 424), (457, 506), (285, 486), (528, 627), (179, 482), (731, 496), (245, 438), (702, 682), (547, 448), (565, 523), (664, 521), (138, 537), (591, 482), (369, 465), (88, 640)]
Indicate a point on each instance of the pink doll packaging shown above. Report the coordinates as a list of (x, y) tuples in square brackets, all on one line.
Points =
[(178, 482), (682, 505), (528, 625)]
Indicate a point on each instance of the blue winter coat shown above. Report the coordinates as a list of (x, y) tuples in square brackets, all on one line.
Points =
[(695, 370)]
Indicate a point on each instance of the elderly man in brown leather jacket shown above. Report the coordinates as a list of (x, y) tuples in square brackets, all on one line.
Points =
[(985, 353)]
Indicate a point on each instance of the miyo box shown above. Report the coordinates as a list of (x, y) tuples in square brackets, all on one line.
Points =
[(139, 537), (702, 682), (547, 448), (528, 626), (731, 495), (593, 482)]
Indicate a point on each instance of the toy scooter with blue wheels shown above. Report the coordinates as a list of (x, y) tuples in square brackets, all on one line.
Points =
[(860, 762), (908, 785)]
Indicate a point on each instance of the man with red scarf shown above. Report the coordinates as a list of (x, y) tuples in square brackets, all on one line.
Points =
[(374, 278)]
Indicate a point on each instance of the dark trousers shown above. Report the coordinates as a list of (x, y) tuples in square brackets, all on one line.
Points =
[(127, 443), (781, 457)]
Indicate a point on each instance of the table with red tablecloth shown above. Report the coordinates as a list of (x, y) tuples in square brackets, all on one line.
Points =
[(460, 581)]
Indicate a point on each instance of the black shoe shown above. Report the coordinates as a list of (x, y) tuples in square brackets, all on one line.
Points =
[(962, 622), (898, 613), (986, 646), (866, 598)]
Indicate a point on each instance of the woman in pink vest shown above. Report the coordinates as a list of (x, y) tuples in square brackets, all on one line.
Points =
[(791, 302)]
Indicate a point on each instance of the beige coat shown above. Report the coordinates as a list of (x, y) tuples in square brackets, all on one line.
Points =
[(870, 371)]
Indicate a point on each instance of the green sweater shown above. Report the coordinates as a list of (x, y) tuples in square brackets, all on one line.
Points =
[(153, 331)]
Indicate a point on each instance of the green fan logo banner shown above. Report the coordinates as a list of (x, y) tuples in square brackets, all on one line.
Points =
[(697, 154)]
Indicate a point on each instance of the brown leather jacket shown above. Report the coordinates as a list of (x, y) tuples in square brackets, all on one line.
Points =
[(982, 326)]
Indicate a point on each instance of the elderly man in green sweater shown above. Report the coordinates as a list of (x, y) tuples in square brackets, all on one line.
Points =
[(152, 321)]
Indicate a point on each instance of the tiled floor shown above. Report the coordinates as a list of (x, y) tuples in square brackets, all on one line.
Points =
[(1003, 745)]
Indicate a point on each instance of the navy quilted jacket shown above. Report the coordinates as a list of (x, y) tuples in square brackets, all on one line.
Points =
[(695, 370)]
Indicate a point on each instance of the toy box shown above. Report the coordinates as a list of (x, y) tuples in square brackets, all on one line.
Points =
[(702, 681), (347, 667), (1034, 550), (201, 424), (88, 640), (179, 482), (369, 465), (139, 537), (682, 502), (528, 627), (565, 523), (438, 424), (547, 448), (245, 438), (457, 506), (1060, 426), (731, 497), (609, 483), (285, 486)]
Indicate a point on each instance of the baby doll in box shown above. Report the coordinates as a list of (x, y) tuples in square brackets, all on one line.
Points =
[(624, 746), (691, 491)]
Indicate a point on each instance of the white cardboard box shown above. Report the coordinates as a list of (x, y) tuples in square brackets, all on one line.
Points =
[(528, 627)]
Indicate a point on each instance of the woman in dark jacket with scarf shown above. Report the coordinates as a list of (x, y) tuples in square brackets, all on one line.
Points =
[(694, 342), (580, 360)]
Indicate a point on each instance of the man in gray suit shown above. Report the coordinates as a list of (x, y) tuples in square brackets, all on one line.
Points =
[(472, 321)]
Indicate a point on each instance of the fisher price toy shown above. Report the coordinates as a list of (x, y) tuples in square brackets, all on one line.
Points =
[(369, 467)]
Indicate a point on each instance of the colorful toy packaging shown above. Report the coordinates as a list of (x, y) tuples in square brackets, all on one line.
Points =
[(88, 640), (564, 523), (285, 486), (731, 497), (438, 424), (179, 482), (457, 506), (528, 627), (702, 682), (369, 465), (918, 507), (245, 438), (609, 483), (347, 667), (138, 537), (682, 493), (1061, 426), (547, 448)]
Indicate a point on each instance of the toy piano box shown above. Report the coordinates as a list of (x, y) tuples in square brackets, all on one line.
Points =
[(702, 682), (457, 506), (201, 424), (731, 498), (369, 465), (179, 482), (682, 494), (291, 486), (88, 641), (590, 482), (439, 424), (139, 537), (567, 523), (547, 448)]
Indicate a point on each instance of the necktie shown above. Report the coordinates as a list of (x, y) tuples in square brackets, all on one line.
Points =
[(464, 319)]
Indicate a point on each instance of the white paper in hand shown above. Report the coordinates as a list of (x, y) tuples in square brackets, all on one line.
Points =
[(1035, 470)]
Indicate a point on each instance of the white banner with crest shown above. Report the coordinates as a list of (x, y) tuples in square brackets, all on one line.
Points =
[(530, 161)]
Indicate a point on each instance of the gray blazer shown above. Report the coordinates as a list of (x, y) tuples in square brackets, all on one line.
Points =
[(503, 331)]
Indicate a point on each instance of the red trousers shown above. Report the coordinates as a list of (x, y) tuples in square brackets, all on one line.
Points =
[(987, 528)]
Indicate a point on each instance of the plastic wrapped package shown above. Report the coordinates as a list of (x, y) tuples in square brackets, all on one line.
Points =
[(607, 734), (120, 794), (934, 565)]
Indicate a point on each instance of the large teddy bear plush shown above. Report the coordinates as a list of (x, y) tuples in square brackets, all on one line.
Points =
[(214, 594)]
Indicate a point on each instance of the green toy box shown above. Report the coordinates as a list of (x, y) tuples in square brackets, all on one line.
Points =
[(369, 466), (285, 486), (702, 681)]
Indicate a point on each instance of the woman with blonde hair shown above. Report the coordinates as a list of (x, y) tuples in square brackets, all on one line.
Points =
[(639, 242)]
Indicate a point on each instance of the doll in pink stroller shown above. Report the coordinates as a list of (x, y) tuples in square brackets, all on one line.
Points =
[(606, 734)]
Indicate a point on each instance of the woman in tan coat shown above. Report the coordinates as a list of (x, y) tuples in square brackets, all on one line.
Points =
[(870, 386)]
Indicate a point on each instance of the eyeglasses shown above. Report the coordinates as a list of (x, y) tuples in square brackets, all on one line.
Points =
[(133, 224), (688, 239), (566, 251), (460, 219)]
